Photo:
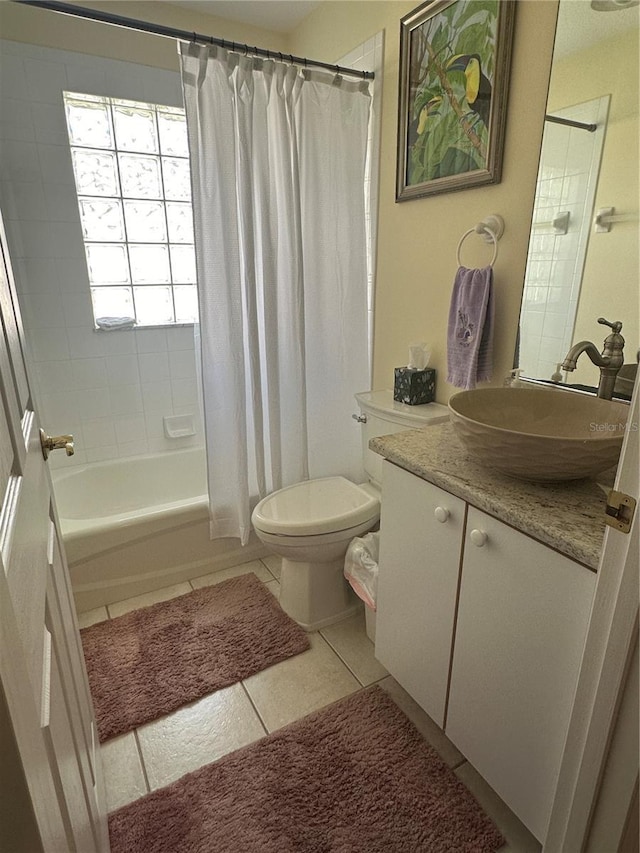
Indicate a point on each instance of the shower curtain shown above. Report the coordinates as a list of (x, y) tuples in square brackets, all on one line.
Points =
[(277, 164)]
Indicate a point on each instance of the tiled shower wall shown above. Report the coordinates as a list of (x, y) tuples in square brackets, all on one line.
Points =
[(110, 389), (567, 181)]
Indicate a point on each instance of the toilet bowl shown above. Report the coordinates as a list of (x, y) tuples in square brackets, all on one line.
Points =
[(311, 524)]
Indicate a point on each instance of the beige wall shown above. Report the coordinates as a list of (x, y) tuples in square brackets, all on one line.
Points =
[(416, 239), (50, 29), (610, 281)]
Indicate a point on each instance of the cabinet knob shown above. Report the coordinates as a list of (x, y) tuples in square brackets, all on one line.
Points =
[(478, 537), (441, 514)]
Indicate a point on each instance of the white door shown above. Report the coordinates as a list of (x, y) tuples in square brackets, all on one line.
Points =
[(419, 567), (52, 788)]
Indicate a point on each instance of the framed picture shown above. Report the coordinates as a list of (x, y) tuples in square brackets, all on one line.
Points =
[(454, 75)]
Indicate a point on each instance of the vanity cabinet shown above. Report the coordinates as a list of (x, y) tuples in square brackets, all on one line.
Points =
[(511, 639), (422, 528)]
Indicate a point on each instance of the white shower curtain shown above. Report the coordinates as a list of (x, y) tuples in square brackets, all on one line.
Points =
[(277, 162)]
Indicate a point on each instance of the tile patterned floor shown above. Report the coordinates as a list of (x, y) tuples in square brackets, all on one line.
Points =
[(339, 662)]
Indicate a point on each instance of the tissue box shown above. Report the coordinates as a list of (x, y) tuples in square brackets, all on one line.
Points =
[(413, 386)]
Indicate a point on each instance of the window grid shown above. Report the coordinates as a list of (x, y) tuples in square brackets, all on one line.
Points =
[(161, 153)]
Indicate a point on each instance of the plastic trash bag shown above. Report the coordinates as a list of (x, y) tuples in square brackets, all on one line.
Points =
[(361, 567)]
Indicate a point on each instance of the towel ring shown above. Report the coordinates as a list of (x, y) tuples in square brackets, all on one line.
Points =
[(479, 229)]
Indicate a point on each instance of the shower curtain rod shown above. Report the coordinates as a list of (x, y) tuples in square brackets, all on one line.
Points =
[(591, 128), (185, 35)]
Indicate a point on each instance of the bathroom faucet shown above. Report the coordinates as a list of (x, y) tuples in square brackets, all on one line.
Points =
[(609, 362)]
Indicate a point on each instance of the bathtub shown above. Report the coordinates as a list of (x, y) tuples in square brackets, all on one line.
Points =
[(134, 525)]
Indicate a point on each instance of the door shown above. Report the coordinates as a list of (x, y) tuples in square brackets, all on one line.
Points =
[(52, 790), (421, 535), (522, 621)]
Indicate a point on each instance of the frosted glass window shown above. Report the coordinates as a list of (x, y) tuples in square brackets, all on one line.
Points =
[(154, 305), (177, 178), (140, 176), (95, 171), (183, 264), (89, 123), (101, 219), (149, 264), (135, 129), (112, 302), (107, 264), (180, 222), (186, 303), (131, 166), (173, 133), (146, 221)]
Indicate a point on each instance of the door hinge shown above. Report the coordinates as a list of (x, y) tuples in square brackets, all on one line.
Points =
[(620, 510)]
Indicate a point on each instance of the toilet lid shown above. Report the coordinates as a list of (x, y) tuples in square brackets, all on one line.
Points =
[(315, 506)]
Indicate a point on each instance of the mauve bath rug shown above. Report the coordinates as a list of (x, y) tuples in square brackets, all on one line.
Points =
[(356, 777), (151, 661)]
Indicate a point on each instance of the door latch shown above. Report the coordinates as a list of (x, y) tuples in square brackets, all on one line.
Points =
[(620, 510)]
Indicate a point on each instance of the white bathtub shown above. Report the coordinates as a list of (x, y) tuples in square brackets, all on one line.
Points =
[(137, 524)]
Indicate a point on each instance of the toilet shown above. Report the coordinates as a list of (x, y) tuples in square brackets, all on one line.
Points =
[(311, 524)]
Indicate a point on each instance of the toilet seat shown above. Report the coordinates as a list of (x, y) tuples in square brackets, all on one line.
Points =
[(313, 507)]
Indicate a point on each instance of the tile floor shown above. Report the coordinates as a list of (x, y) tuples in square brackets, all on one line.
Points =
[(339, 662)]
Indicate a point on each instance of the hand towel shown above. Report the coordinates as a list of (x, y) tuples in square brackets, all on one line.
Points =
[(470, 328)]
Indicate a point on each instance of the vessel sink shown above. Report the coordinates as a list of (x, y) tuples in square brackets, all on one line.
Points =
[(539, 434)]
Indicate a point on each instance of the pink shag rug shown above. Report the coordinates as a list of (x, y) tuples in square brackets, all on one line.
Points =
[(356, 777), (151, 661)]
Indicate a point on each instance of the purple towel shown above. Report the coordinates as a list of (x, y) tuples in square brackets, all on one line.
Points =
[(470, 329)]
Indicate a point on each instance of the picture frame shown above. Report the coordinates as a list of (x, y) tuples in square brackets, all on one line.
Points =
[(455, 58)]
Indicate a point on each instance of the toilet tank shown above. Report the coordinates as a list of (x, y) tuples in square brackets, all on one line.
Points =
[(380, 414)]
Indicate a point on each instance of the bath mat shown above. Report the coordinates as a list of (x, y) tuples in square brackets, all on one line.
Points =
[(356, 777), (151, 661)]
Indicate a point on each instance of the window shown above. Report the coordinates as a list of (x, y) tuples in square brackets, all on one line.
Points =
[(131, 166)]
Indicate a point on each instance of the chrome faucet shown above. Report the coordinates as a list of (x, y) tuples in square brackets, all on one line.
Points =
[(609, 361)]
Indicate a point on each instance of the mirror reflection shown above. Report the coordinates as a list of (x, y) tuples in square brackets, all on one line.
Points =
[(583, 251)]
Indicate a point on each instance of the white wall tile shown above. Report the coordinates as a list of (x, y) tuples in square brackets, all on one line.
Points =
[(126, 400), (122, 369), (48, 344), (154, 367), (156, 396), (83, 342), (72, 274), (89, 373), (45, 81), (130, 428), (42, 310), (182, 364), (133, 448), (117, 343), (99, 432), (91, 380), (19, 161), (93, 403), (151, 340), (184, 391)]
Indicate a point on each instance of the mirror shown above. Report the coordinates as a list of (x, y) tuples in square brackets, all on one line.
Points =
[(578, 271)]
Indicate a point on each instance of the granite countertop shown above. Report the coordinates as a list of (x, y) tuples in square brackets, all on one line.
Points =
[(567, 516)]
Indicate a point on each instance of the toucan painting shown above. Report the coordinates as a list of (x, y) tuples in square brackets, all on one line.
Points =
[(478, 86), (454, 72)]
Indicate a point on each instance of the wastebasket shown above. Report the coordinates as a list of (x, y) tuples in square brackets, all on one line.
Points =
[(361, 571)]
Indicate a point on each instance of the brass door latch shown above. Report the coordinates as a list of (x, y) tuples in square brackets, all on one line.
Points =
[(620, 510), (56, 442)]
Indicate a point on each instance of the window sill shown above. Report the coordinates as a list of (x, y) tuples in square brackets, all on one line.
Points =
[(144, 328)]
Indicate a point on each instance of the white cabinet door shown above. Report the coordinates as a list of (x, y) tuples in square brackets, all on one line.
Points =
[(520, 634), (417, 585)]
